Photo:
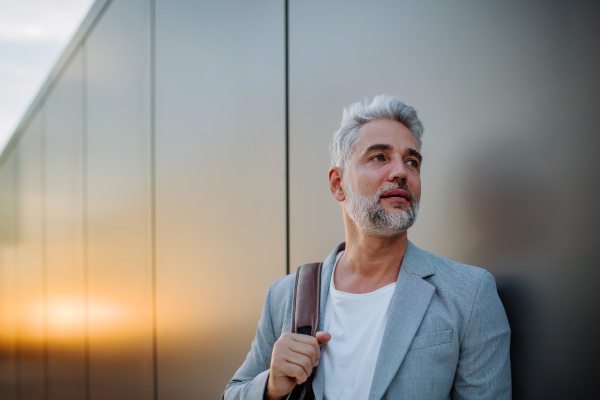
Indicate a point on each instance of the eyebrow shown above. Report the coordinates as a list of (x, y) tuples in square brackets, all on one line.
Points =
[(379, 146), (415, 153), (384, 146)]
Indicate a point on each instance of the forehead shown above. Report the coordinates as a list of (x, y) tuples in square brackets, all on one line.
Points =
[(385, 132)]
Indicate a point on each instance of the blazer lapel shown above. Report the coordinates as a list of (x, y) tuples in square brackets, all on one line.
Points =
[(408, 306), (326, 271)]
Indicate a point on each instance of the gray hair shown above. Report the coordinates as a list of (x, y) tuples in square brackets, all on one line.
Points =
[(356, 115)]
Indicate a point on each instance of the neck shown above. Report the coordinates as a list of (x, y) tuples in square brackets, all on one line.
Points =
[(369, 263)]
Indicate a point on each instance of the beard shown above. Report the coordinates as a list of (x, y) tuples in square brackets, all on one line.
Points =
[(373, 220)]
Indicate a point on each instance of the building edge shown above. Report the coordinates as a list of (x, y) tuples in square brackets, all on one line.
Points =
[(93, 16)]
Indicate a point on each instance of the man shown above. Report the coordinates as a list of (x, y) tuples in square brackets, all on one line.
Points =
[(396, 322)]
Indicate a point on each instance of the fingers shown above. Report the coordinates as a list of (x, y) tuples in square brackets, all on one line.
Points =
[(323, 338), (297, 372), (299, 338), (302, 350), (306, 350), (304, 361), (293, 359), (304, 339)]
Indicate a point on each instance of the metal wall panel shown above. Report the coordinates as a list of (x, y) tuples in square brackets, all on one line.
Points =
[(8, 259), (118, 237), (508, 92), (220, 185), (63, 200), (30, 271)]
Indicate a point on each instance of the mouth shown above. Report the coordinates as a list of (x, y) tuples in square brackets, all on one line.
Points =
[(397, 195)]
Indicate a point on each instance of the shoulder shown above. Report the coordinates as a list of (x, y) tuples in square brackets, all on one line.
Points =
[(459, 283), (281, 288), (278, 302), (455, 272), (440, 270), (468, 294)]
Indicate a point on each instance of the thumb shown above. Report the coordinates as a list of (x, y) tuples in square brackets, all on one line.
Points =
[(323, 337)]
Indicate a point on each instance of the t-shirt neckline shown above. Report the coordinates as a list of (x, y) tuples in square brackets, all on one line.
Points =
[(356, 296)]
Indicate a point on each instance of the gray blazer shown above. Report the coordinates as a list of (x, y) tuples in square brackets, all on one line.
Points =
[(446, 336)]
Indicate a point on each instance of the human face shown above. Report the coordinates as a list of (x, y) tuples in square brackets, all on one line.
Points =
[(382, 183)]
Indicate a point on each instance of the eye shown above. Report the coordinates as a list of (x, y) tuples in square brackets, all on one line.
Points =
[(413, 163), (378, 157)]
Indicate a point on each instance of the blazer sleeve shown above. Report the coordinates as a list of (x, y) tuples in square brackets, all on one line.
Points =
[(250, 380), (483, 370)]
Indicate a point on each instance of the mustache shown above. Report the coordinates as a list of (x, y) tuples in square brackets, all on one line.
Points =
[(394, 186)]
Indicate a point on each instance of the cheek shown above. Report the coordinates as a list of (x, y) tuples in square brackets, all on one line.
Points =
[(364, 183), (416, 187)]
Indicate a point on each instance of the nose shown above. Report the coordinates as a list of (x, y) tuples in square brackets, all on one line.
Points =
[(398, 171)]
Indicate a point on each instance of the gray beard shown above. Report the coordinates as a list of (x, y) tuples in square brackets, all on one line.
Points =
[(374, 220)]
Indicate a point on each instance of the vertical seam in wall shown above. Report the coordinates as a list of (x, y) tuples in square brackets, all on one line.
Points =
[(15, 269), (17, 210), (45, 361), (153, 191), (287, 141), (84, 175)]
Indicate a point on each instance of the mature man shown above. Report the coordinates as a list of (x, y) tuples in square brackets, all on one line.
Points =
[(396, 322)]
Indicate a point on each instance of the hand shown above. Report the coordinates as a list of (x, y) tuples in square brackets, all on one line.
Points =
[(292, 361)]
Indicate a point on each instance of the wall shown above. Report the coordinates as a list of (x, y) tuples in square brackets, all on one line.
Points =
[(116, 282), (508, 93), (175, 163)]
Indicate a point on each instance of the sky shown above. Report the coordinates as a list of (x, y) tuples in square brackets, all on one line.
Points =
[(33, 35)]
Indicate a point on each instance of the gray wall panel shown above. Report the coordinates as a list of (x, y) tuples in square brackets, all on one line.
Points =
[(63, 200), (8, 270), (508, 93), (118, 203), (30, 272), (220, 185)]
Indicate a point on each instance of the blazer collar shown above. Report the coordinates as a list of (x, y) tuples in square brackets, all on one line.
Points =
[(326, 271), (417, 261), (408, 306)]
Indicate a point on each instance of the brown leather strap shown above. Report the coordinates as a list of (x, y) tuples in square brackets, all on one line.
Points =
[(306, 305), (307, 299)]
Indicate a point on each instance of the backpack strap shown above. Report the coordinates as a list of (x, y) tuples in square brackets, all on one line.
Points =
[(306, 301), (306, 306)]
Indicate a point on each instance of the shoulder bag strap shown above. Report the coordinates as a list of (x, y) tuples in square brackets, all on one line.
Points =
[(306, 306)]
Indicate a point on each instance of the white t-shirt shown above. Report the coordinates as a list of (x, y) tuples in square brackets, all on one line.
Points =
[(356, 323)]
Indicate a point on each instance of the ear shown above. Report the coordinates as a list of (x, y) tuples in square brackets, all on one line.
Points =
[(335, 184)]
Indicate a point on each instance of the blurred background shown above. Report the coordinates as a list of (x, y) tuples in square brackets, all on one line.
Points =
[(174, 164)]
